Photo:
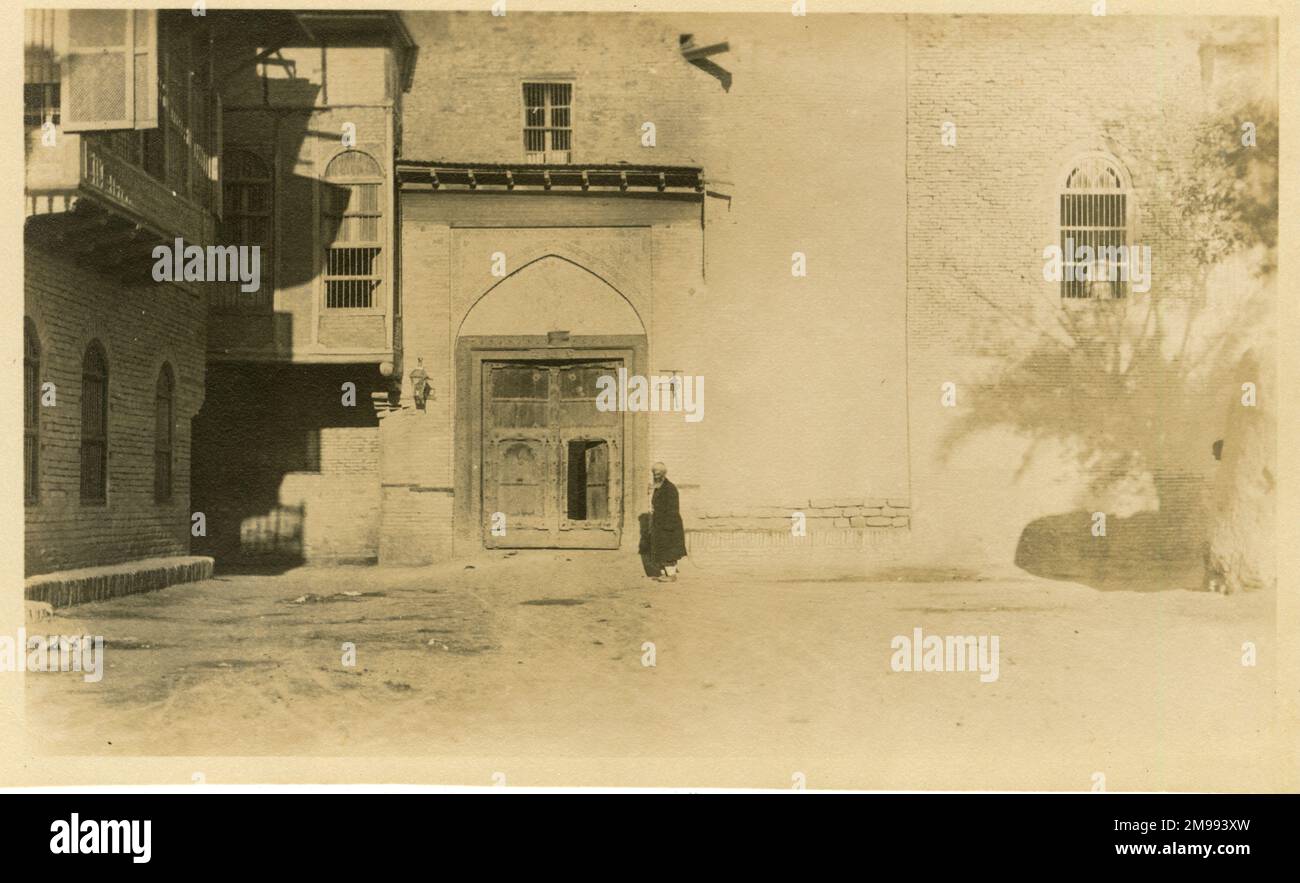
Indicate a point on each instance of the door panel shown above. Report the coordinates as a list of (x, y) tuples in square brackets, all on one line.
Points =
[(592, 515), (552, 462), (597, 482), (516, 482)]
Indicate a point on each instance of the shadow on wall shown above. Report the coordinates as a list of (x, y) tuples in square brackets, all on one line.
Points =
[(1140, 385), (1108, 390), (260, 425), (268, 543)]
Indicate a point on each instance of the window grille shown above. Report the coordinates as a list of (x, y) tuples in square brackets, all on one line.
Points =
[(164, 422), (352, 218), (31, 412), (548, 122), (94, 425), (1094, 212)]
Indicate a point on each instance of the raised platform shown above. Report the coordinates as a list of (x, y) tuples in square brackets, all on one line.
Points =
[(66, 587)]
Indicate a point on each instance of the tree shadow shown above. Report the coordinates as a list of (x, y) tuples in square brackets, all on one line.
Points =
[(1138, 389)]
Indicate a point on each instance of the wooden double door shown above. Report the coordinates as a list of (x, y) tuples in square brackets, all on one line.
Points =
[(552, 461)]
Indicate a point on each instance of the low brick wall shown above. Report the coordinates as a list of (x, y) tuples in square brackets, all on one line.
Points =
[(66, 587), (848, 521)]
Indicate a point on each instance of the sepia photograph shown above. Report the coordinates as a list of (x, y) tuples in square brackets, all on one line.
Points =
[(800, 397)]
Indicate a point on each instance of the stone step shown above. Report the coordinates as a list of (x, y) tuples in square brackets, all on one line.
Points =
[(67, 587)]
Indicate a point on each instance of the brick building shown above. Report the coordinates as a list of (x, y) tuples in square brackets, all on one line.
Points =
[(120, 157), (144, 128), (1069, 405), (632, 195), (819, 140), (311, 111), (837, 222)]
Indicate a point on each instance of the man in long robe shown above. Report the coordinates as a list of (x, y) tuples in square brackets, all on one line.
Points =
[(667, 537)]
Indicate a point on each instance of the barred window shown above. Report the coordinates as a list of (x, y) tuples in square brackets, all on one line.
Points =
[(31, 412), (164, 422), (41, 74), (1095, 206), (247, 214), (353, 232), (548, 122), (94, 425), (40, 104)]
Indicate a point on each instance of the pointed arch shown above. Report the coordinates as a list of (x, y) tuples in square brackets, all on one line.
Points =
[(552, 292)]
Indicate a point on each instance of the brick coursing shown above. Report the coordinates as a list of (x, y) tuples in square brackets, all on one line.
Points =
[(83, 585), (140, 326), (832, 514), (1027, 95), (804, 377), (633, 57)]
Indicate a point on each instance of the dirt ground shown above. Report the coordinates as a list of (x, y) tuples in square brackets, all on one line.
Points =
[(542, 654)]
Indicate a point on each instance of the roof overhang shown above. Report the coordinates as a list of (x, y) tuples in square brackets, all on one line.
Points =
[(507, 177), (335, 27), (277, 29)]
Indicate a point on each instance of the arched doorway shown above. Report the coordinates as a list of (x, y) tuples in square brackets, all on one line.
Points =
[(539, 464)]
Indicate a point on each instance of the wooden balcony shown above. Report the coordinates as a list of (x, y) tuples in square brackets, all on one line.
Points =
[(79, 192)]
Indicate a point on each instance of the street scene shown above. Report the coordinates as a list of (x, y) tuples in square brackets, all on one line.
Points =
[(884, 400)]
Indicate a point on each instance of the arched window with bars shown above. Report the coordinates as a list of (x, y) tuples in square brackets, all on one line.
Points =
[(164, 426), (352, 232), (247, 220), (94, 425), (1095, 226), (31, 412)]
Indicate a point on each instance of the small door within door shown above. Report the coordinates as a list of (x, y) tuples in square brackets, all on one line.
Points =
[(552, 462)]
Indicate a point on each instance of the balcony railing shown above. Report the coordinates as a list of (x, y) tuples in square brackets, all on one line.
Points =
[(80, 166)]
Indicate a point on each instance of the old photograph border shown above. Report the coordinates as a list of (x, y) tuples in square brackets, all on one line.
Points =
[(969, 764)]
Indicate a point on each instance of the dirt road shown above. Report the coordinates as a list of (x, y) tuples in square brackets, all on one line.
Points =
[(546, 655)]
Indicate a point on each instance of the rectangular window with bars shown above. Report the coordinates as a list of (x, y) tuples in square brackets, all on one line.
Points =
[(354, 259), (548, 122), (94, 428), (40, 104)]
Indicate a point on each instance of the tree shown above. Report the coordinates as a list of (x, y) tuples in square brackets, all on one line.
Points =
[(1140, 385)]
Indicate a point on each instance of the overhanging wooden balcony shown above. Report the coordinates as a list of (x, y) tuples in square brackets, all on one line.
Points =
[(80, 193)]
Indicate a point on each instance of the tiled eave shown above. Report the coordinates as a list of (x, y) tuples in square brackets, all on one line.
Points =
[(500, 178)]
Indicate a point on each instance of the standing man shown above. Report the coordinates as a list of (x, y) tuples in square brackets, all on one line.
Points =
[(667, 538)]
